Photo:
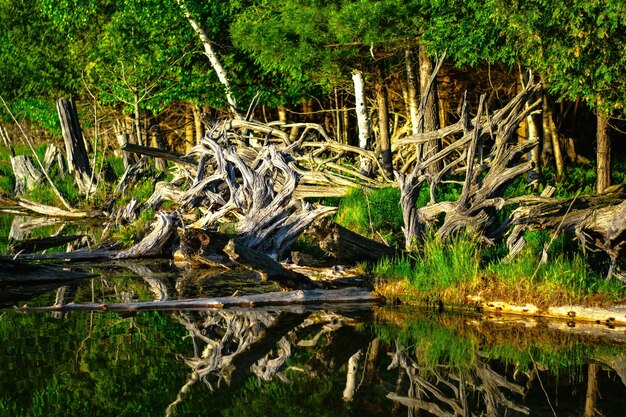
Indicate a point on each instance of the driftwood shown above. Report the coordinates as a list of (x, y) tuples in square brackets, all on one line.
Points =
[(347, 246), (299, 297), (599, 222), (159, 153), (487, 174), (217, 249), (52, 211), (41, 243), (76, 153), (13, 271)]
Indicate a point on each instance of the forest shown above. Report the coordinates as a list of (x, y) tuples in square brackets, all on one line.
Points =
[(446, 148)]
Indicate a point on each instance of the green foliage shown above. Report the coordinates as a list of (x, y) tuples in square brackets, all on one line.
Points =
[(375, 213), (132, 233)]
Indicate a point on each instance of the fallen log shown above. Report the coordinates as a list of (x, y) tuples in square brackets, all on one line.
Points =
[(347, 246), (13, 271), (177, 158), (41, 243), (299, 297), (268, 268), (599, 222)]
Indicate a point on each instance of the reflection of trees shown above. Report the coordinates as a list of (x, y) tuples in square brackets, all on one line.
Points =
[(445, 391)]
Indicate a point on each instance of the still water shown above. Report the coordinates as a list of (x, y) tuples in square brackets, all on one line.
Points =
[(287, 361), (335, 361)]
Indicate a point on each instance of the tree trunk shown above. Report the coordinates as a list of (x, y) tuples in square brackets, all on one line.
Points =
[(556, 144), (604, 153), (197, 121), (26, 175), (138, 130), (534, 134), (413, 101), (213, 58), (189, 135), (76, 153), (157, 142), (383, 120), (346, 121), (431, 115), (362, 115), (547, 152), (282, 114)]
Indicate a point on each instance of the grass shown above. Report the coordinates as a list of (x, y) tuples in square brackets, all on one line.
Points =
[(376, 214), (461, 266), (131, 233)]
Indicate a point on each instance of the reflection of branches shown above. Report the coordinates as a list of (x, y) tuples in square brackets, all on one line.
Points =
[(445, 394)]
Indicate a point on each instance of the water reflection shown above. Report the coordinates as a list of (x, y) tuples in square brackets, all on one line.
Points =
[(296, 361)]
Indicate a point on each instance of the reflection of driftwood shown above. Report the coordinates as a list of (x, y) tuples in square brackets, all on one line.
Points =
[(446, 394), (347, 246), (341, 296), (18, 272)]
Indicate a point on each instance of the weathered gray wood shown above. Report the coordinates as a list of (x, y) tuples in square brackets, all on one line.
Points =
[(158, 243), (347, 246), (268, 268), (177, 158), (26, 175), (75, 150), (41, 243), (299, 297)]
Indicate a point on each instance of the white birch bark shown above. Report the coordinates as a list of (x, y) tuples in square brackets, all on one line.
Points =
[(362, 116), (353, 366), (213, 58)]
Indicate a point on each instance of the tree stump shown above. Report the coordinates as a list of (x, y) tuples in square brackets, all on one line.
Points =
[(75, 150)]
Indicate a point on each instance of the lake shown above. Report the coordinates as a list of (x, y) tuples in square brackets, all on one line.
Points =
[(350, 360)]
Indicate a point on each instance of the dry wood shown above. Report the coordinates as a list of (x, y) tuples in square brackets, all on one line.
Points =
[(347, 246), (599, 222), (26, 175), (299, 297), (268, 268), (177, 158), (76, 153), (158, 243), (14, 271), (55, 211), (41, 243)]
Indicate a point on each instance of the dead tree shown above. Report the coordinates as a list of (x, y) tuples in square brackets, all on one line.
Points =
[(76, 153), (488, 172), (599, 222)]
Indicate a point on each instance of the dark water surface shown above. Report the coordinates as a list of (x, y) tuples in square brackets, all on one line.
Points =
[(287, 361)]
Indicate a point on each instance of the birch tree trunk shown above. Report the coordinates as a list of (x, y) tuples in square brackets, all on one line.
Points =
[(213, 58), (362, 116), (556, 144), (197, 121)]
